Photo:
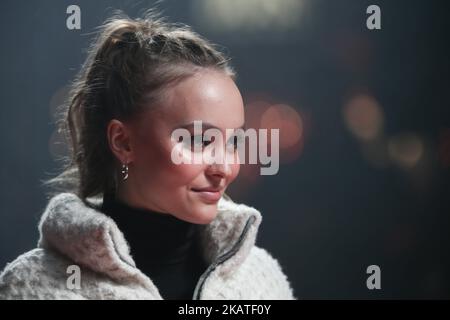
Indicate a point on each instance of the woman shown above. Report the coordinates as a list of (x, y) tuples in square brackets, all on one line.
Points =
[(138, 225)]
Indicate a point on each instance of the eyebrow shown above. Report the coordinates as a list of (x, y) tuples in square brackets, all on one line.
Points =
[(207, 125)]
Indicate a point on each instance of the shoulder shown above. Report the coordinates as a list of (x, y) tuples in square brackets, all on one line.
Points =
[(42, 274), (36, 274), (265, 270), (260, 275)]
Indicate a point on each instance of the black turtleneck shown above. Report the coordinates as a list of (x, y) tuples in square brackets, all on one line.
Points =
[(163, 247)]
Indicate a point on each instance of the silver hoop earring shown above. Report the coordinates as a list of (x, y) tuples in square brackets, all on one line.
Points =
[(124, 171)]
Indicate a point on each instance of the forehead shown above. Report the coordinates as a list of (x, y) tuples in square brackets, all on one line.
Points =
[(210, 96)]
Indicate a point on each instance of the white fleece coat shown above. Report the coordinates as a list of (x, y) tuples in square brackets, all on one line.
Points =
[(74, 233)]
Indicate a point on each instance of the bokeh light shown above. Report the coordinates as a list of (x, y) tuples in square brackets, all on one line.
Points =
[(363, 117), (261, 112), (249, 15), (287, 120), (406, 150)]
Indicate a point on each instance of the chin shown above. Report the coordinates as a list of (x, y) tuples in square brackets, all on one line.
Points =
[(203, 213)]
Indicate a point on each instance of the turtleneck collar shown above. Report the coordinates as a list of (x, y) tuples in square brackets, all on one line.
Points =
[(161, 236)]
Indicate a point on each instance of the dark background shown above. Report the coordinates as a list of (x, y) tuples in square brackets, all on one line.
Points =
[(366, 178)]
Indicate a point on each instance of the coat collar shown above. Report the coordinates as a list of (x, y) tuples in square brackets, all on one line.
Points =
[(78, 230)]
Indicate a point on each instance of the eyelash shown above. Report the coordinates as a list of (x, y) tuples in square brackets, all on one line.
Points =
[(199, 139), (236, 140)]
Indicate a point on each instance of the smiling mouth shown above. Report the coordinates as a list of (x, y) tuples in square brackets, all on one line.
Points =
[(209, 195)]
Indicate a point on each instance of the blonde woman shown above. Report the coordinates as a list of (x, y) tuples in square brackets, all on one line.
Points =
[(137, 225)]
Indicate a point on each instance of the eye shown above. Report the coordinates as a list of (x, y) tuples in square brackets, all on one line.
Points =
[(199, 140)]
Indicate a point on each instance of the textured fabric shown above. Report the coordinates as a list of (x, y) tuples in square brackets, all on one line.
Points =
[(164, 248), (73, 232)]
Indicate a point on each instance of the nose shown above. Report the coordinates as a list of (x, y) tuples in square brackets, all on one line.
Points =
[(222, 167), (222, 170)]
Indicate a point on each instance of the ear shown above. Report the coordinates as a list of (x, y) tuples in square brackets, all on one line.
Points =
[(119, 141)]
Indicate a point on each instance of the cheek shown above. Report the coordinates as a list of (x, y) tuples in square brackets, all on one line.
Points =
[(182, 174)]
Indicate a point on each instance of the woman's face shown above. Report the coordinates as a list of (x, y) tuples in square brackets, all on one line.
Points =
[(188, 191)]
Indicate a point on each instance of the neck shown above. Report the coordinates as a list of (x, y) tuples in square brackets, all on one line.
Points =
[(126, 194), (150, 233)]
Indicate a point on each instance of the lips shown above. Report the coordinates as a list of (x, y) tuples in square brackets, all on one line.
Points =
[(209, 194)]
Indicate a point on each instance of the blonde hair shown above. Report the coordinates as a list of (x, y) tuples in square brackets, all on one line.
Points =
[(128, 65)]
